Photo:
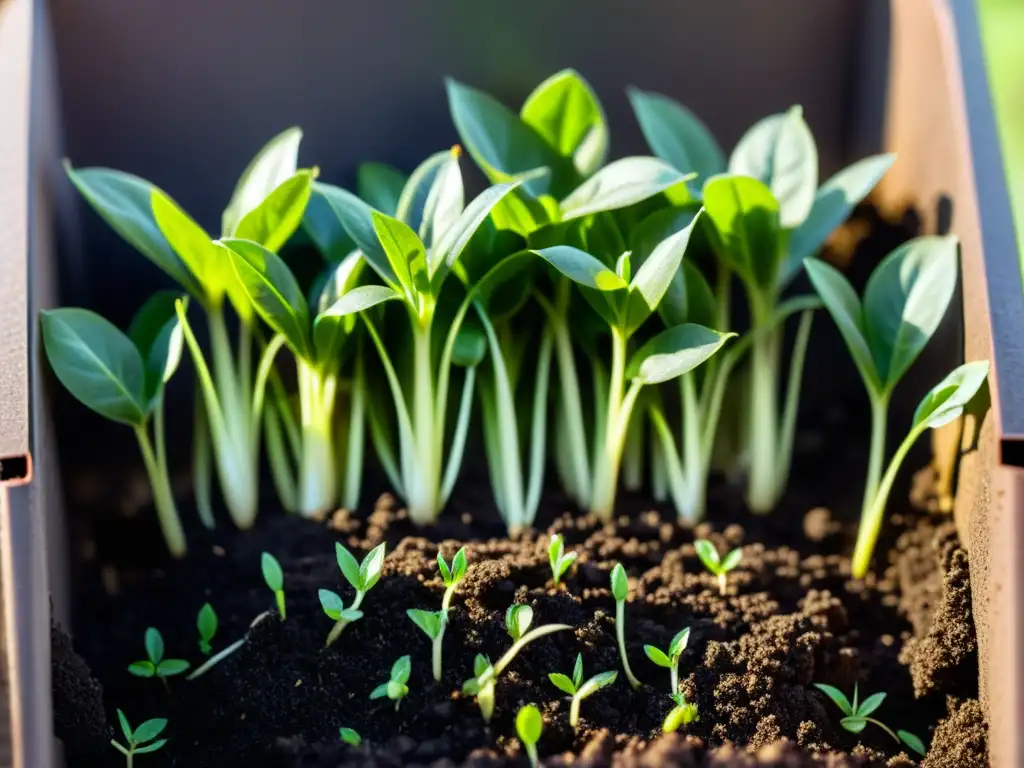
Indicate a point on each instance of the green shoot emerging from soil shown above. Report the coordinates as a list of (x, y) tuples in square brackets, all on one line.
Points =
[(856, 714), (670, 660), (141, 740), (274, 578), (222, 654), (529, 725), (578, 689), (155, 664), (395, 688), (434, 623), (708, 555), (683, 713), (362, 576), (518, 619), (350, 736), (561, 561), (206, 623), (620, 591)]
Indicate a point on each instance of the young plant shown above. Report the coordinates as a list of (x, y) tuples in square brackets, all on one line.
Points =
[(708, 555), (561, 561), (434, 623), (856, 715), (620, 591), (529, 725), (683, 713), (274, 578), (122, 377), (266, 207), (155, 664), (518, 619), (395, 688), (142, 740), (362, 576), (350, 736), (206, 623), (671, 659), (228, 650), (578, 689), (944, 403)]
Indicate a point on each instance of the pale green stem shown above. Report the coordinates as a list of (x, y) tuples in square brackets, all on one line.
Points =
[(695, 460), (317, 471), (458, 445), (531, 753), (439, 640), (281, 468), (764, 419), (673, 674), (659, 480), (620, 634), (538, 428), (423, 489), (669, 456), (218, 657), (633, 455), (340, 624), (884, 728), (163, 498), (787, 430), (356, 436), (574, 711), (202, 477), (879, 420)]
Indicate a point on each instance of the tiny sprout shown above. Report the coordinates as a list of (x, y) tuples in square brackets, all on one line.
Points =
[(141, 740), (274, 577), (350, 737), (395, 688), (856, 715), (206, 623), (362, 576), (529, 725), (518, 619), (561, 561), (709, 556), (670, 660), (155, 664), (579, 690), (434, 623), (683, 713), (620, 591)]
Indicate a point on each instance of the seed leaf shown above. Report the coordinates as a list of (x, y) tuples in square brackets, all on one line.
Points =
[(854, 724), (673, 352), (676, 135), (597, 682), (380, 691), (620, 584), (428, 621), (150, 747), (708, 554), (837, 696), (350, 615), (870, 704), (457, 237), (471, 687), (562, 683), (620, 184), (577, 670), (273, 164), (381, 186), (171, 667), (679, 643), (349, 566), (401, 669), (350, 737), (657, 656), (582, 268), (277, 217), (732, 560), (397, 690), (529, 724), (422, 185), (947, 399), (747, 230), (331, 603), (481, 664), (126, 729), (459, 566), (206, 623), (149, 730), (142, 668), (272, 573), (555, 549), (566, 113), (405, 252), (154, 645), (370, 568), (446, 574), (912, 741), (517, 620)]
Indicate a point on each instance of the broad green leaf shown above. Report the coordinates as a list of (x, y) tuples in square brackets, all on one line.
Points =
[(837, 696), (206, 622), (356, 218), (379, 692), (445, 201), (621, 184), (349, 566), (97, 363), (405, 253), (562, 683), (947, 399), (154, 645), (780, 151), (171, 667), (555, 549), (457, 237), (689, 299), (142, 668), (523, 214), (126, 729), (150, 747), (566, 113), (332, 326), (529, 724), (401, 669), (413, 200), (657, 656), (870, 704), (597, 682), (277, 217), (679, 642), (732, 560), (708, 554), (324, 228), (149, 730), (331, 603), (157, 336), (745, 216), (381, 186), (854, 724), (459, 565), (517, 620), (428, 621), (350, 737), (582, 268), (912, 741), (272, 573), (905, 300), (193, 245), (620, 585), (481, 664), (676, 135), (274, 163), (673, 352), (350, 615), (370, 568)]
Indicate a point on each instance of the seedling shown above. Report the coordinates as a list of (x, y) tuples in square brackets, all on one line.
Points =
[(206, 623), (561, 561), (620, 591), (274, 578), (142, 740), (396, 688), (708, 555), (155, 664), (856, 714), (350, 737), (529, 725), (518, 619), (670, 660), (434, 623), (362, 576), (578, 689), (222, 654), (683, 713)]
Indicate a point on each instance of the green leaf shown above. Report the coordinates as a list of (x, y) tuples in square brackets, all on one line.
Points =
[(853, 724), (428, 621), (349, 566), (582, 268), (577, 670), (566, 113), (708, 555), (370, 568), (277, 217), (97, 363), (405, 252), (271, 166), (838, 697), (745, 216), (471, 687), (657, 656), (157, 335), (676, 135), (597, 682), (912, 741), (947, 399), (481, 664), (562, 683), (142, 668), (870, 704), (401, 669), (171, 667), (529, 724), (331, 603), (517, 620), (446, 573), (397, 690), (555, 549), (679, 643), (350, 615), (381, 186), (272, 573), (457, 236), (126, 729), (206, 622), (620, 585), (379, 692), (154, 645), (673, 352), (356, 218), (780, 151), (443, 206), (620, 184), (459, 566), (150, 747), (350, 737), (413, 200), (193, 245), (332, 326), (732, 560), (470, 345), (322, 225), (905, 300)]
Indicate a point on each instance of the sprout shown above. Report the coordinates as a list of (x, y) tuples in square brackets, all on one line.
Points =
[(560, 560), (709, 556), (362, 576), (206, 622), (578, 689), (155, 664), (395, 688), (218, 657), (856, 714), (670, 660), (529, 725), (434, 623), (350, 736), (274, 577), (518, 619), (620, 591), (683, 713), (141, 740)]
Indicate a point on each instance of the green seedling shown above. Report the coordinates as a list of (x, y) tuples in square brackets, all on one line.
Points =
[(720, 568), (142, 740), (620, 591), (396, 687), (274, 578), (122, 377), (578, 689), (518, 619), (671, 659), (362, 576), (529, 725), (155, 664), (350, 736), (434, 623), (683, 713), (855, 715), (206, 623), (561, 561), (222, 654)]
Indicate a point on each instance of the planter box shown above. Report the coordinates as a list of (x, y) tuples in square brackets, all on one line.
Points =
[(365, 83)]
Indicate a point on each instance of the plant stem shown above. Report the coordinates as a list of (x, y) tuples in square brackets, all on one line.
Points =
[(696, 462), (879, 420), (439, 640), (163, 497), (723, 584), (569, 392), (673, 673), (574, 711), (761, 490), (884, 728), (423, 488), (616, 422), (202, 478), (633, 456), (280, 463), (317, 471), (531, 753), (354, 451), (538, 428), (340, 624), (620, 633), (218, 657)]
